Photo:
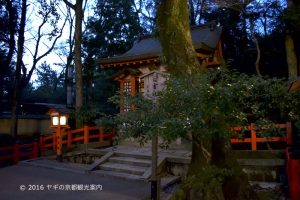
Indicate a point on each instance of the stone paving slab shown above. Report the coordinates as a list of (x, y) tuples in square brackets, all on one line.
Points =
[(130, 160), (137, 170), (53, 164), (146, 151), (112, 188), (120, 175)]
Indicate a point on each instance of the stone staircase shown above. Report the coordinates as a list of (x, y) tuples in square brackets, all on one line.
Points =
[(122, 165)]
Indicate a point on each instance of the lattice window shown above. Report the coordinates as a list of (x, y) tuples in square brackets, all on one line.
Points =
[(141, 86)]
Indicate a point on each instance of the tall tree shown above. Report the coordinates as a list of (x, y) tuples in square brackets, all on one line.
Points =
[(180, 57), (8, 30), (16, 86), (109, 32), (175, 37), (240, 49), (112, 30), (49, 17), (292, 28), (78, 9)]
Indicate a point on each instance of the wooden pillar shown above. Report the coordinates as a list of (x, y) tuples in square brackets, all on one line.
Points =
[(289, 133), (70, 139), (54, 141), (121, 86), (121, 93), (35, 150), (86, 134), (59, 143), (295, 179), (253, 138), (101, 134), (133, 86), (42, 143), (154, 178)]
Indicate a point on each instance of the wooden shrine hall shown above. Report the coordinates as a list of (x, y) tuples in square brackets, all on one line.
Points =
[(144, 58)]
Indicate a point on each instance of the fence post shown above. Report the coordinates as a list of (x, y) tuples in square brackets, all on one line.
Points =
[(54, 140), (70, 138), (289, 133), (42, 143), (35, 149), (101, 134), (295, 183), (253, 138), (16, 153), (86, 134)]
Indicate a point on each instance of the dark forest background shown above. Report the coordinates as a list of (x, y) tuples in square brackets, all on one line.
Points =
[(249, 27)]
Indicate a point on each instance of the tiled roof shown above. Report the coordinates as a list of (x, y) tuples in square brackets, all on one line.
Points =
[(204, 38)]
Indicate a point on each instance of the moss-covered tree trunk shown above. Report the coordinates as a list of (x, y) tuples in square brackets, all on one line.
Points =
[(16, 86), (180, 58), (291, 57), (236, 185), (175, 37)]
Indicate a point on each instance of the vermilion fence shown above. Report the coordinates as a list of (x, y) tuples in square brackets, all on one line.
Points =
[(255, 138), (86, 134), (17, 152), (83, 135)]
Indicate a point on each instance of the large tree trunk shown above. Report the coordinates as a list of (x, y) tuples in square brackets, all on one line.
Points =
[(77, 54), (175, 37), (15, 95), (291, 57), (180, 58), (78, 8), (235, 186), (12, 14)]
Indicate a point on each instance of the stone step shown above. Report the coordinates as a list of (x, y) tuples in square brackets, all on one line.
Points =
[(261, 162), (137, 155), (259, 154), (131, 161), (117, 175), (117, 167), (266, 185)]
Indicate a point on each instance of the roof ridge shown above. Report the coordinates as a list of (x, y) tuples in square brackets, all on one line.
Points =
[(212, 24)]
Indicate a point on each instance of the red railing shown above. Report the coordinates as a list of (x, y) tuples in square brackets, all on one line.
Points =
[(83, 135), (86, 134), (15, 153), (293, 169), (19, 152), (293, 174), (254, 138)]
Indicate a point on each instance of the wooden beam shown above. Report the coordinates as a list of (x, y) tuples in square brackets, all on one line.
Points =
[(133, 85)]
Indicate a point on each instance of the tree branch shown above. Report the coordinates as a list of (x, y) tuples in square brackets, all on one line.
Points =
[(70, 4), (36, 60)]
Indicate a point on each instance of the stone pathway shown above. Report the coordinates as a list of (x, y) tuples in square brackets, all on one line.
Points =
[(30, 177), (114, 157)]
